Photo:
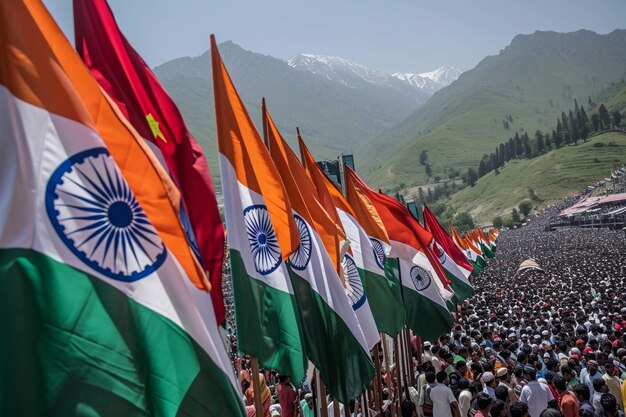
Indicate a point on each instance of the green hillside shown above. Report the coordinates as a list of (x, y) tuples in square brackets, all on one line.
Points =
[(617, 102), (534, 79), (552, 176), (333, 118)]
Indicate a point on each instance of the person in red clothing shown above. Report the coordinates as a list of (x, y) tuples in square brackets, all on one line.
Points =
[(483, 403), (567, 399), (287, 396)]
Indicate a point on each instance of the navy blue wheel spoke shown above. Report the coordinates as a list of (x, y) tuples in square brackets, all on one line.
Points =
[(104, 185), (101, 192), (86, 200), (88, 227), (354, 287), (85, 209), (95, 233), (92, 194), (101, 239)]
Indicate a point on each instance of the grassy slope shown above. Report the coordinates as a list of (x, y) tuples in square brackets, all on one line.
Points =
[(553, 176), (464, 121), (617, 102)]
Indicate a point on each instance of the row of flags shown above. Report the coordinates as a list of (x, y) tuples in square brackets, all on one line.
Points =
[(111, 244), (318, 275)]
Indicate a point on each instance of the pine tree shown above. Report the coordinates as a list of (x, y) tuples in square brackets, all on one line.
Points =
[(471, 177), (528, 153), (583, 124), (482, 168), (511, 149), (515, 216), (595, 122), (423, 157), (421, 195), (559, 128), (519, 149), (548, 142), (539, 144), (605, 118), (557, 139)]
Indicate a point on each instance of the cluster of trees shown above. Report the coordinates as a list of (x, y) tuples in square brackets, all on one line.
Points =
[(446, 215), (439, 191), (524, 208), (424, 162), (571, 128)]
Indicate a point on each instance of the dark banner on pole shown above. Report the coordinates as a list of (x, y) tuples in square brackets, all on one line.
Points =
[(331, 169), (348, 159), (413, 209)]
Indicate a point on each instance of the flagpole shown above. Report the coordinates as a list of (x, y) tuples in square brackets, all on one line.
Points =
[(387, 369), (335, 407), (256, 386), (264, 122), (398, 365), (409, 355), (365, 408), (377, 387), (322, 393)]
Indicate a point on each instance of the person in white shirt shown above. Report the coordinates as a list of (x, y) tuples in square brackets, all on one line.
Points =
[(465, 397), (535, 394), (444, 403)]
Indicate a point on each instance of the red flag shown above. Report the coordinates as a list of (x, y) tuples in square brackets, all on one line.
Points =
[(443, 238), (123, 74), (401, 225)]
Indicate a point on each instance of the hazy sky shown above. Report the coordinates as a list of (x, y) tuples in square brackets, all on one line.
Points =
[(388, 35)]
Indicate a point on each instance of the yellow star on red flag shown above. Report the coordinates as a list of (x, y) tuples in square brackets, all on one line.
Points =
[(154, 127)]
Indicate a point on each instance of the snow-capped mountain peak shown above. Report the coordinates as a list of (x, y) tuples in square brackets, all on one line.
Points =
[(432, 80), (353, 75), (443, 75), (338, 69)]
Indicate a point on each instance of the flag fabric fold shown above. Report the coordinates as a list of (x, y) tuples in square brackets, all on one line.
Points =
[(353, 262), (333, 337), (126, 78), (261, 235), (96, 273)]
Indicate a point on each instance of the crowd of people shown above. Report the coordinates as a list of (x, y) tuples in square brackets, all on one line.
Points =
[(547, 342)]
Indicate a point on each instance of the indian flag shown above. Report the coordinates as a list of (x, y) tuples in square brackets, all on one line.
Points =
[(485, 246), (334, 339), (352, 262), (426, 311), (370, 247), (492, 240), (99, 312), (128, 80), (451, 258), (471, 256), (261, 235)]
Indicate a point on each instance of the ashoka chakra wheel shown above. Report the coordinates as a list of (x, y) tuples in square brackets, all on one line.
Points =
[(262, 238)]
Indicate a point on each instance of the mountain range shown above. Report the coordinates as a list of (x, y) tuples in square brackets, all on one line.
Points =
[(530, 82), (334, 113), (354, 75), (388, 120)]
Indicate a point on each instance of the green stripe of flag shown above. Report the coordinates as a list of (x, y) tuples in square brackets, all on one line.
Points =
[(75, 345)]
